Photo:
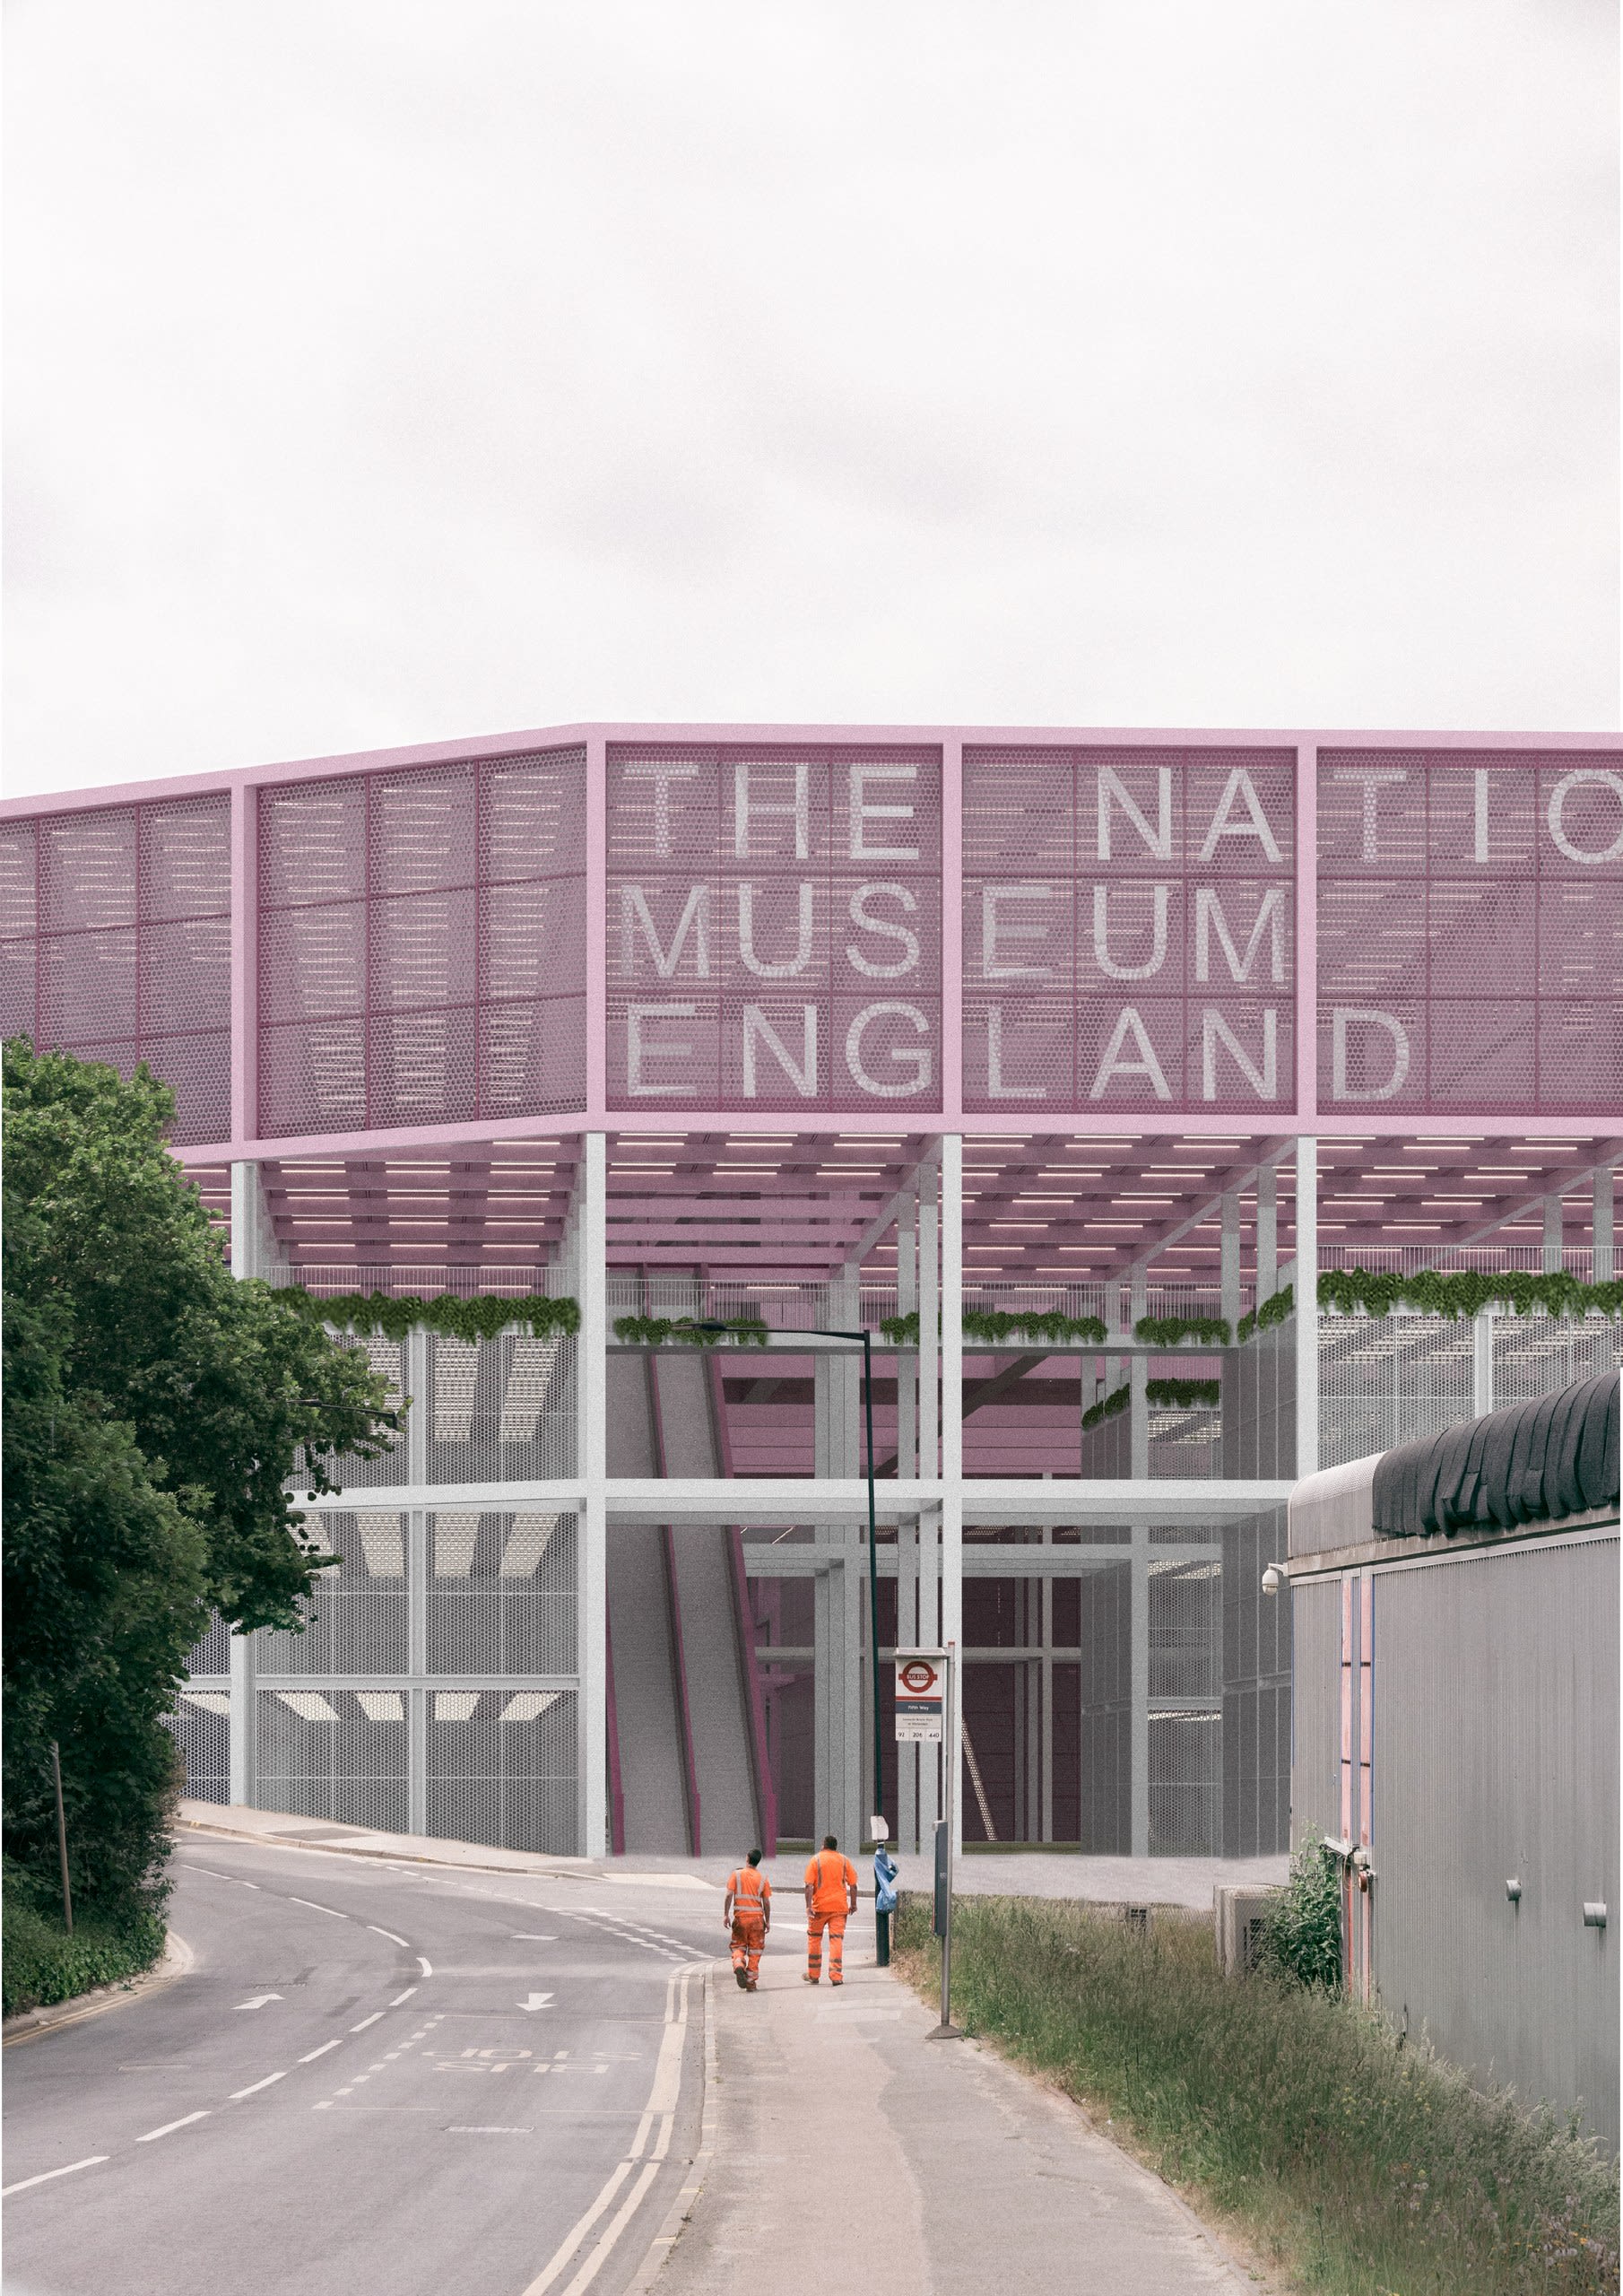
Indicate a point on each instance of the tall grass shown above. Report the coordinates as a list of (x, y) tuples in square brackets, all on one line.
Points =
[(1359, 2166)]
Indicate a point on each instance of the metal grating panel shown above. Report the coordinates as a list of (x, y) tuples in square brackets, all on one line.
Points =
[(323, 1754), (501, 1410), (501, 1768), (116, 926), (421, 945), (502, 1593), (356, 1621), (201, 1726)]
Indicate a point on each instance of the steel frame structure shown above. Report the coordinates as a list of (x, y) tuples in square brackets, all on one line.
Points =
[(498, 956)]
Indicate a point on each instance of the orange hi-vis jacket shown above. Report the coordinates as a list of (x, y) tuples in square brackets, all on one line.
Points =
[(752, 1893), (829, 1877)]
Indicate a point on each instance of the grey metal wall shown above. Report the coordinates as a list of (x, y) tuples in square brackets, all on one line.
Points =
[(1315, 1620), (1256, 1691), (1494, 1755)]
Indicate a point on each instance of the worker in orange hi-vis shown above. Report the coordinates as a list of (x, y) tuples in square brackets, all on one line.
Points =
[(830, 1898), (747, 1913)]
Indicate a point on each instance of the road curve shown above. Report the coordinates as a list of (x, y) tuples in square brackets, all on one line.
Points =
[(376, 2081)]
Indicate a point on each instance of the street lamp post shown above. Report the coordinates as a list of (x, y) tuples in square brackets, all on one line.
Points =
[(865, 1339)]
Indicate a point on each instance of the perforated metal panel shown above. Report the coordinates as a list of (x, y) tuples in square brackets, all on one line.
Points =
[(773, 927), (201, 1724), (356, 1621), (115, 944), (501, 1410), (1386, 1379), (337, 1753), (1471, 930), (386, 1358), (501, 1768), (502, 1592), (1128, 929), (421, 945)]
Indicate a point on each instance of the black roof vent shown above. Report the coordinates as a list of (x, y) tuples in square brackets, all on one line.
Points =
[(1535, 1463)]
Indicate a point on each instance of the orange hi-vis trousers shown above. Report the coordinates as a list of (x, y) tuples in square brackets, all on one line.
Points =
[(834, 1923), (749, 1937)]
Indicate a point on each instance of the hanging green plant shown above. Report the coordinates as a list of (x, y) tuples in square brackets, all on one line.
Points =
[(1168, 1395), (996, 1326), (684, 1331), (450, 1314), (1171, 1331), (1461, 1296), (1277, 1310)]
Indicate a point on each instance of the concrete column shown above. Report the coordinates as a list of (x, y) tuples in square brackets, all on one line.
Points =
[(591, 1383), (952, 1439), (254, 1252), (1229, 1258), (1138, 1381), (1048, 1696), (1605, 1208), (907, 1366), (929, 1321), (1267, 1233), (1481, 1364), (1306, 1281), (1552, 1235)]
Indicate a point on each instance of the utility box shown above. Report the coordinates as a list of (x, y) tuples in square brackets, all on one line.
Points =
[(1237, 1915)]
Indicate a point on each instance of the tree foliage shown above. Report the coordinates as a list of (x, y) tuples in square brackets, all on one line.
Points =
[(155, 1410)]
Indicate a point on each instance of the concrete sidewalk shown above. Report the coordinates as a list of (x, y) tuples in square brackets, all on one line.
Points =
[(846, 2144)]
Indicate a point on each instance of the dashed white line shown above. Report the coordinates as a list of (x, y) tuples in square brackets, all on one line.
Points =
[(399, 1997), (365, 2021), (90, 2162), (253, 2090), (321, 2051), (314, 1908), (389, 1933), (170, 2127)]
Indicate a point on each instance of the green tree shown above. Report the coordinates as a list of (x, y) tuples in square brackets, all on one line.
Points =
[(155, 1408)]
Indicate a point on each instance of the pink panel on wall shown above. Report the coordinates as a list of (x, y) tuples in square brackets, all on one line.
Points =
[(421, 945), (1470, 932), (773, 927), (117, 926), (1128, 922)]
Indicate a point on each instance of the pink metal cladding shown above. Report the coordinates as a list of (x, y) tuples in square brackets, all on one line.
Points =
[(737, 926)]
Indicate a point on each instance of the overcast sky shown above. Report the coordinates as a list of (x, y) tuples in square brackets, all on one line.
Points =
[(385, 372)]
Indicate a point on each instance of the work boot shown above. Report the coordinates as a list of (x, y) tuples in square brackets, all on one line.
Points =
[(750, 1985), (744, 1978), (806, 1978)]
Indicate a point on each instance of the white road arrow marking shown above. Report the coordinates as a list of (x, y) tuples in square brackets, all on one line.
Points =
[(537, 2001), (259, 2001)]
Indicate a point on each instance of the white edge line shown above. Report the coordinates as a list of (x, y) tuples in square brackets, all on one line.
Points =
[(425, 1965), (600, 2255), (90, 2160), (314, 1908), (365, 2021), (169, 2127), (577, 2232), (257, 2085), (389, 1933), (315, 2053), (399, 1997)]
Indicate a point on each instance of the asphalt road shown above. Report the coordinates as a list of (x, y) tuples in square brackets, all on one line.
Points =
[(374, 2079)]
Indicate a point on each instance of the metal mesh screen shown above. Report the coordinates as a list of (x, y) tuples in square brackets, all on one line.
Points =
[(201, 1725), (1185, 1783), (334, 1753), (1386, 1379), (1536, 1355), (1471, 930), (502, 1594), (501, 1409), (387, 1359), (421, 945), (1128, 923), (357, 1621), (501, 1768), (773, 927), (115, 944), (212, 1654)]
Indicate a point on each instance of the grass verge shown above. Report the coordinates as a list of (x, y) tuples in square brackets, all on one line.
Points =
[(1351, 2164), (43, 1964)]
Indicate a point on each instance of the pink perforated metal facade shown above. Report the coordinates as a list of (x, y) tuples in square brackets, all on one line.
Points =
[(421, 945), (889, 929), (116, 946)]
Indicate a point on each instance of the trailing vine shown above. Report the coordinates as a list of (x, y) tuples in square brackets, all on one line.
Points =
[(1461, 1296), (1176, 1395), (995, 1326), (685, 1331), (452, 1316), (1170, 1331), (1278, 1310)]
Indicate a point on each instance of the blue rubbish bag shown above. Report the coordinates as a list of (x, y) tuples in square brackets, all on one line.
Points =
[(884, 1882)]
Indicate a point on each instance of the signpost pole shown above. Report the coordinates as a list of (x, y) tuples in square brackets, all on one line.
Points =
[(67, 1895), (946, 2031)]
